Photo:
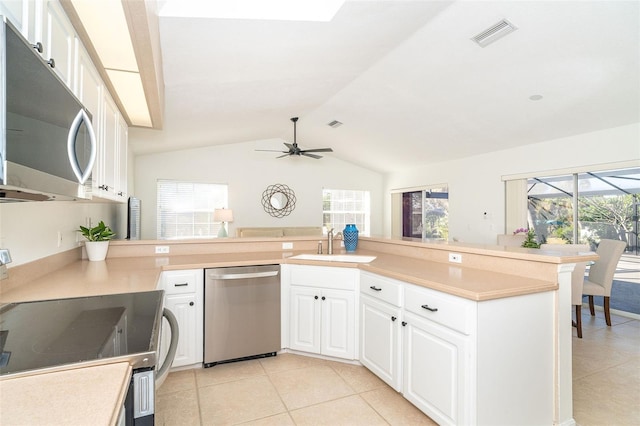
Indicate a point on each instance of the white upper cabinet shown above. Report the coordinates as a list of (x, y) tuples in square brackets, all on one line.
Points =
[(45, 22), (22, 14), (89, 89), (58, 40)]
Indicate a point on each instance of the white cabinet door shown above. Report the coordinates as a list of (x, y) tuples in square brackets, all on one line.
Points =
[(380, 343), (110, 176), (322, 321), (58, 40), (121, 159), (21, 13), (435, 363), (183, 306), (305, 315), (184, 298), (338, 330), (106, 166)]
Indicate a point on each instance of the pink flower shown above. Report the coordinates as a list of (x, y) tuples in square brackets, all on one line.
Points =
[(519, 230)]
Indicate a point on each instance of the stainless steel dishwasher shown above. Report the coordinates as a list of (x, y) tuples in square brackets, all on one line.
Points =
[(241, 313)]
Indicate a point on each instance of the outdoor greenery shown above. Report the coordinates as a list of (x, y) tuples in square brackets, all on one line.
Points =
[(608, 216)]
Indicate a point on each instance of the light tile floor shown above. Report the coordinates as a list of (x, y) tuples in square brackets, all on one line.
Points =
[(297, 390)]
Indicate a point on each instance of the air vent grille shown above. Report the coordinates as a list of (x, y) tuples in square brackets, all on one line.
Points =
[(334, 124), (494, 33)]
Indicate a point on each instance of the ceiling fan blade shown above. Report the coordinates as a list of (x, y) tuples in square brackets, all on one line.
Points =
[(270, 150), (288, 145), (310, 155), (285, 155), (318, 150)]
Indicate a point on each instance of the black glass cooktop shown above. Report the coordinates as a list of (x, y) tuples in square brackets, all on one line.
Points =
[(64, 332)]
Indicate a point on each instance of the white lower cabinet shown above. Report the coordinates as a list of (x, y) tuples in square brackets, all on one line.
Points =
[(380, 327), (322, 319), (436, 370), (184, 298), (460, 361)]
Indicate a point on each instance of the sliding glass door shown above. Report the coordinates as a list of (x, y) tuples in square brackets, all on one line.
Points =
[(587, 208)]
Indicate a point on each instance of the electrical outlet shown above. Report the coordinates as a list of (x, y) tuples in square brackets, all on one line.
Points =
[(287, 246), (455, 257), (162, 249)]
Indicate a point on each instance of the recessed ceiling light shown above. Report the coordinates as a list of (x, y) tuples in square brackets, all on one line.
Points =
[(535, 97), (281, 10)]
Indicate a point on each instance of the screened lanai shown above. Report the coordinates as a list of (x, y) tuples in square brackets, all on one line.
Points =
[(608, 206)]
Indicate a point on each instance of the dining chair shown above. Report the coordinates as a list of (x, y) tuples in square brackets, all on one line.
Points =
[(600, 277), (577, 277), (513, 240)]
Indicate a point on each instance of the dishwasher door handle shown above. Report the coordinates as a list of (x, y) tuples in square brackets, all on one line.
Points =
[(243, 275)]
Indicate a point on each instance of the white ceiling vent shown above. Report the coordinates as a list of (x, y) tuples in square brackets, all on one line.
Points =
[(494, 32), (334, 124)]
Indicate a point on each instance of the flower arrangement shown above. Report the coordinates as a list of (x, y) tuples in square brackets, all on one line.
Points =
[(530, 241)]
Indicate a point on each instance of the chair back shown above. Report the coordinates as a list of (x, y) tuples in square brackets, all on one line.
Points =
[(603, 269), (513, 240), (577, 276)]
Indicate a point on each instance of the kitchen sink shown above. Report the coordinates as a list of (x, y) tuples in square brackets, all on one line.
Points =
[(353, 258)]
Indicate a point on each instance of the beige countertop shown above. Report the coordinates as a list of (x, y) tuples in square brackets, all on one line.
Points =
[(84, 396), (47, 398), (125, 275)]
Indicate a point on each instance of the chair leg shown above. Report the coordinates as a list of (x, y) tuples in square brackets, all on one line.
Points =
[(592, 308), (579, 320), (607, 314)]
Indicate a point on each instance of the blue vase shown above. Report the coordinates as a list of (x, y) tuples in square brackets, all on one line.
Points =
[(350, 236)]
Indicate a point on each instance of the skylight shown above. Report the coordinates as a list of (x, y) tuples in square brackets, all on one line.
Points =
[(282, 10)]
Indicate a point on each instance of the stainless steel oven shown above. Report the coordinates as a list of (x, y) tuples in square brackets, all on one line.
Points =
[(52, 335)]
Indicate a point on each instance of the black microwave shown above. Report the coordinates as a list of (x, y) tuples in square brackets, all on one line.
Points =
[(47, 142)]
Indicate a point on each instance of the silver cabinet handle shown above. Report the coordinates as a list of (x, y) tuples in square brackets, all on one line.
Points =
[(428, 308), (373, 287)]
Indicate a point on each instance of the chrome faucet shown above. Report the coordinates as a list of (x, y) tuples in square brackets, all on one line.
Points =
[(330, 237)]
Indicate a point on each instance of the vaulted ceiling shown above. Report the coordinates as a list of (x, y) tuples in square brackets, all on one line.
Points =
[(404, 77)]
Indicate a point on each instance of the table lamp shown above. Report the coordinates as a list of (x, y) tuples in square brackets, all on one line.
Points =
[(222, 215)]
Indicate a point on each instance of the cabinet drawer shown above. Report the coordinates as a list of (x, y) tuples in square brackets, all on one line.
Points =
[(382, 288), (450, 311), (324, 277), (176, 282)]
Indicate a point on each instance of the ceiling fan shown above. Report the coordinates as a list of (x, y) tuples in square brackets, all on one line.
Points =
[(295, 149)]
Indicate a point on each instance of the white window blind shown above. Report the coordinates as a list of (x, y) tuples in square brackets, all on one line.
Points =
[(185, 209), (343, 206)]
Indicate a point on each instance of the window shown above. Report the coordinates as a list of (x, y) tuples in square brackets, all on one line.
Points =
[(343, 206), (185, 209)]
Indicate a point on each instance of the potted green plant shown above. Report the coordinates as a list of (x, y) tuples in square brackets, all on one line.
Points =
[(97, 242)]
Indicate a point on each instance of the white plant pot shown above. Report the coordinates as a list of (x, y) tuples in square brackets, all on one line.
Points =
[(96, 250)]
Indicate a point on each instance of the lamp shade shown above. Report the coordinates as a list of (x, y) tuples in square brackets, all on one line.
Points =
[(223, 215)]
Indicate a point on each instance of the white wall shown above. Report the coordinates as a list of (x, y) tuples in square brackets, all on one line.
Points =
[(30, 229), (248, 173), (476, 187)]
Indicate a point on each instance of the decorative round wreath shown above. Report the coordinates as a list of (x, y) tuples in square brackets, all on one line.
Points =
[(270, 192)]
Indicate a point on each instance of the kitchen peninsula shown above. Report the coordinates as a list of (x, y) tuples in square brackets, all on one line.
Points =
[(487, 274)]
